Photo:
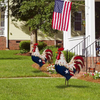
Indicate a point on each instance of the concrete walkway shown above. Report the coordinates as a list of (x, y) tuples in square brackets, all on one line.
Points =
[(75, 77), (29, 77)]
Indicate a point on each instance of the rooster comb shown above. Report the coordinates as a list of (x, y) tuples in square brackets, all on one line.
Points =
[(61, 49), (35, 44)]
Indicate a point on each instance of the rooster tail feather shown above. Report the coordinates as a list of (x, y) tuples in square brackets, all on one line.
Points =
[(48, 54), (80, 58), (77, 68), (78, 63)]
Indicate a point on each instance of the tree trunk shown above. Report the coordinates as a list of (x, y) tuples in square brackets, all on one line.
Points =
[(33, 39)]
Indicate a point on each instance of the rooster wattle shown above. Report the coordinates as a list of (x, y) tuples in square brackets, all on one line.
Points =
[(68, 69), (41, 59)]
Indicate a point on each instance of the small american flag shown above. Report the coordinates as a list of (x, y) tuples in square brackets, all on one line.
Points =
[(61, 15)]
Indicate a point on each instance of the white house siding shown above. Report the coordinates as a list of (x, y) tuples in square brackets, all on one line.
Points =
[(41, 36), (19, 32)]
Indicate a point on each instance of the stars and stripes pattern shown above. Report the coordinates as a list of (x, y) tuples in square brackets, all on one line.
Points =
[(68, 69), (61, 15), (48, 55), (41, 59)]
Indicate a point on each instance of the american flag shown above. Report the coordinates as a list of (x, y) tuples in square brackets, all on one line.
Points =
[(61, 15)]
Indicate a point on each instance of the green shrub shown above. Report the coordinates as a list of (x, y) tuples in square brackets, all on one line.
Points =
[(68, 55), (54, 49), (24, 46), (41, 45), (23, 51)]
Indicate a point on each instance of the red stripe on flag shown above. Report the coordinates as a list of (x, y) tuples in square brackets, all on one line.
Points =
[(60, 21), (65, 22), (63, 14), (68, 16), (53, 21), (57, 20)]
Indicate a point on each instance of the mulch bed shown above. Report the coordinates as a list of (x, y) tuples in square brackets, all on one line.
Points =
[(24, 54), (44, 69), (90, 79), (78, 76)]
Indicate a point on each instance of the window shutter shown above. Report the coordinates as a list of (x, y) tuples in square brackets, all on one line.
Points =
[(78, 21)]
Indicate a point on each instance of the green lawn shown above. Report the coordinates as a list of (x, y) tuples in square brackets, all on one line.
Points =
[(12, 65), (48, 89), (26, 88)]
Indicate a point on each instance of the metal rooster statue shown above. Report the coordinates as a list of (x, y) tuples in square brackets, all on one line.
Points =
[(68, 69), (38, 58)]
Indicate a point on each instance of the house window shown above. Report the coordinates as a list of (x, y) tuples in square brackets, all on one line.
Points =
[(78, 21), (2, 17)]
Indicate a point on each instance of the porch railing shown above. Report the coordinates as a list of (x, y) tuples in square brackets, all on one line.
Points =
[(79, 48), (92, 54)]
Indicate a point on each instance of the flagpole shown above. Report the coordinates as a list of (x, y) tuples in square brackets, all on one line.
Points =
[(76, 3), (80, 4)]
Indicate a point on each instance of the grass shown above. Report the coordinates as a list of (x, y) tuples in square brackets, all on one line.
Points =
[(48, 89), (12, 65)]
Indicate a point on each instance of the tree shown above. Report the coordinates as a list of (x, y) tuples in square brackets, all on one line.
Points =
[(36, 13)]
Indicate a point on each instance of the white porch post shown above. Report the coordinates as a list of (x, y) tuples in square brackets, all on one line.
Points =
[(67, 34), (90, 20), (87, 7), (6, 23)]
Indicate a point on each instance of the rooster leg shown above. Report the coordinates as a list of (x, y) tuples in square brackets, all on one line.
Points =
[(65, 82)]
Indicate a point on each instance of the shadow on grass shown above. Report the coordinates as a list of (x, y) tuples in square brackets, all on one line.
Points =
[(12, 58), (76, 86), (36, 71)]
